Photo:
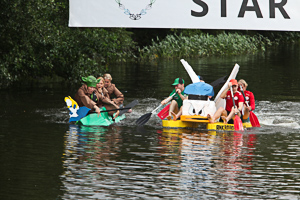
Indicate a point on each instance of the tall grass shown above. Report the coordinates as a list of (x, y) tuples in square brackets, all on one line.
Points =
[(176, 46)]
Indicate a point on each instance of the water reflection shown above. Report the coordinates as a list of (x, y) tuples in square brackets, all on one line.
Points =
[(124, 162), (178, 164), (213, 162)]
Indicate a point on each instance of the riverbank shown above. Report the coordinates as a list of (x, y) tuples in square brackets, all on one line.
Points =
[(178, 46), (221, 44), (36, 42), (104, 47)]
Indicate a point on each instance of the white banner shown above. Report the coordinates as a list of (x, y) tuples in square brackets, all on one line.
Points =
[(188, 14)]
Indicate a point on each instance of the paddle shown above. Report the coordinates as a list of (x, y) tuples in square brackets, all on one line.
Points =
[(83, 114), (253, 119), (238, 124), (124, 109), (128, 106), (219, 81), (164, 112), (144, 119)]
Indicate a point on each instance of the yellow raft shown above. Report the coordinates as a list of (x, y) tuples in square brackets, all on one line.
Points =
[(197, 121)]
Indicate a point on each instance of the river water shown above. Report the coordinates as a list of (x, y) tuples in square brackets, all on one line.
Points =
[(44, 157)]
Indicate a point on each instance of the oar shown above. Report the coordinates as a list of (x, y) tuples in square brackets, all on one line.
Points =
[(253, 119), (238, 124), (144, 119), (164, 112), (219, 81), (80, 116), (129, 106), (124, 109)]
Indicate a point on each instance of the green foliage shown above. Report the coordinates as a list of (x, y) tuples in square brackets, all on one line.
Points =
[(36, 42), (174, 46), (282, 37)]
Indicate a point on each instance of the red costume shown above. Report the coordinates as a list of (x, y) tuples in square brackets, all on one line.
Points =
[(250, 99), (238, 97)]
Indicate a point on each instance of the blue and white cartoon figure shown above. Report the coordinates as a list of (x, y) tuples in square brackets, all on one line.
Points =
[(72, 105)]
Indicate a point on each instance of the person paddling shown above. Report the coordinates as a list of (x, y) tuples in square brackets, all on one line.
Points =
[(249, 101), (177, 99), (115, 95), (229, 112), (104, 100), (86, 93)]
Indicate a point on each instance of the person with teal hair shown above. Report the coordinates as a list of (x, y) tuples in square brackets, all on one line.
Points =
[(87, 95)]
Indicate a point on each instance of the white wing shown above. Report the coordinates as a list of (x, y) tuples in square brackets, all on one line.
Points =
[(190, 71), (219, 101)]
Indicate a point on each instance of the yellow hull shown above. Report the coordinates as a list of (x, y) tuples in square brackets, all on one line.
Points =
[(225, 127), (200, 122), (179, 124)]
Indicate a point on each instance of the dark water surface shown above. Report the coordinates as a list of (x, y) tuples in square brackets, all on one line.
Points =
[(44, 157)]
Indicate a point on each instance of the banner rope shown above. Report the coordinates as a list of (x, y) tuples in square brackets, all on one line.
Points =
[(135, 16)]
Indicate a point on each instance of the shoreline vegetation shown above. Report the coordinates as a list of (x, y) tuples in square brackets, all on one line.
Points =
[(197, 46), (37, 44)]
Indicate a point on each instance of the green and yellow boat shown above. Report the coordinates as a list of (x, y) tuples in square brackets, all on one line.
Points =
[(103, 120)]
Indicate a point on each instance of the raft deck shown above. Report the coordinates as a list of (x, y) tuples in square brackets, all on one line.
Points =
[(197, 121)]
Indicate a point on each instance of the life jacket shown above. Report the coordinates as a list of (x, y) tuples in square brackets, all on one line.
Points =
[(94, 97)]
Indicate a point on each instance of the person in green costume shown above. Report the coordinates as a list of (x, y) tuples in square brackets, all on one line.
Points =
[(177, 99), (87, 94)]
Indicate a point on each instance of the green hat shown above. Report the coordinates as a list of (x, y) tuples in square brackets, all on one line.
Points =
[(178, 81), (91, 81)]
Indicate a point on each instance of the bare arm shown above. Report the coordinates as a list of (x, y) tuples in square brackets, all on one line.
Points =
[(240, 106), (181, 96), (224, 93), (166, 100), (119, 95), (86, 101)]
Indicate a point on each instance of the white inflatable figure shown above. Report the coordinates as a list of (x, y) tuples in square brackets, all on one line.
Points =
[(194, 77), (73, 106), (218, 100), (198, 107), (193, 107)]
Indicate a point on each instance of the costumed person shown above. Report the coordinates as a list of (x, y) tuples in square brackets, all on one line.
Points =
[(249, 101), (87, 94), (114, 94), (177, 99), (229, 112), (104, 99), (198, 101)]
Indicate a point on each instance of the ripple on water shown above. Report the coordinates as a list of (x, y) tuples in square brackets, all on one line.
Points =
[(120, 162), (279, 114)]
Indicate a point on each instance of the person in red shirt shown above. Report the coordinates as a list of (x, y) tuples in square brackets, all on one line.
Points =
[(249, 101), (229, 112)]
